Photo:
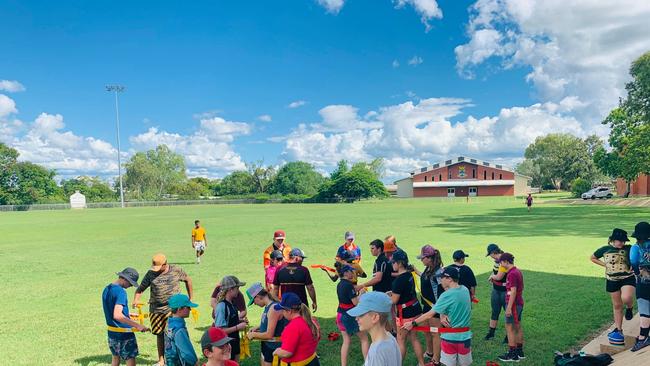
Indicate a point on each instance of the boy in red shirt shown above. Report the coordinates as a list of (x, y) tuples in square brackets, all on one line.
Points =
[(514, 308)]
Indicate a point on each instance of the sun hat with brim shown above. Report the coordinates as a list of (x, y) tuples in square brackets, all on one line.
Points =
[(229, 282), (214, 337), (375, 301), (641, 230), (290, 301), (181, 300), (129, 274), (253, 291), (427, 251), (158, 261), (619, 234), (491, 248)]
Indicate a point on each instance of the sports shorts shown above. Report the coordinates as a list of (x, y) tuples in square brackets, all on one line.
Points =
[(347, 323), (199, 245), (125, 349), (511, 319), (158, 322), (456, 353), (614, 286)]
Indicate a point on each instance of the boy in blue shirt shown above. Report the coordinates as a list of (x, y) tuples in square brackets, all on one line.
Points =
[(640, 260), (178, 347), (121, 340)]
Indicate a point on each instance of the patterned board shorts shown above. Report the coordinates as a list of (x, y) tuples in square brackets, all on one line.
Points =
[(456, 353), (158, 322), (199, 245), (124, 348)]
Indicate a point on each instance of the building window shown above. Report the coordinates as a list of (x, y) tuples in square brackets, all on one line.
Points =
[(473, 173), (425, 178), (440, 177), (451, 191), (450, 174), (492, 175), (500, 176), (485, 175)]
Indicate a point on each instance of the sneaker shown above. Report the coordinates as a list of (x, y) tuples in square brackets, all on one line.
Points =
[(511, 356), (629, 314), (489, 336), (520, 353), (616, 338), (428, 357), (641, 344), (198, 260)]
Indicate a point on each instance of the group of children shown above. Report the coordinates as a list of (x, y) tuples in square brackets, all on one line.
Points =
[(436, 301), (627, 273)]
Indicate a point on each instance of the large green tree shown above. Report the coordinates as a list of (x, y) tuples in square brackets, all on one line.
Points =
[(361, 181), (297, 177), (24, 183), (236, 183), (95, 189), (561, 158), (629, 136), (262, 176), (154, 173)]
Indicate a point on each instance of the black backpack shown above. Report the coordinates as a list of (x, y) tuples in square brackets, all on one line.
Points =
[(568, 359)]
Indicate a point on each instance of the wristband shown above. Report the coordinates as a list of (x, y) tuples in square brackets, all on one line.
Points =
[(415, 324)]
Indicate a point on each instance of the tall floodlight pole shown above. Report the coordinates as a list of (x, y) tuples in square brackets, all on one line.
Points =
[(118, 89)]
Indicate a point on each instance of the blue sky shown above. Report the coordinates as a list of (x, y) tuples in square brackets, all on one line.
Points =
[(412, 81)]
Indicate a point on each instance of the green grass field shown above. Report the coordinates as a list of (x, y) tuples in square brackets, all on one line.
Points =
[(55, 265)]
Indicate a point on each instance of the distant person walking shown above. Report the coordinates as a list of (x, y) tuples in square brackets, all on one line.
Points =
[(279, 243), (199, 240), (294, 277), (164, 280), (620, 281), (529, 201), (121, 340), (640, 259)]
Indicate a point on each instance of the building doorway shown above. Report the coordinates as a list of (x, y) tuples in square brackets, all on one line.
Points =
[(473, 191)]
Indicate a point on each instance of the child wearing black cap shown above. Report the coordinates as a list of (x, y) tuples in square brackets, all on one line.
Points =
[(467, 277), (348, 298), (620, 281)]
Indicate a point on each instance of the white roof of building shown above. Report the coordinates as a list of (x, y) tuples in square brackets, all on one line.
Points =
[(464, 183), (460, 159)]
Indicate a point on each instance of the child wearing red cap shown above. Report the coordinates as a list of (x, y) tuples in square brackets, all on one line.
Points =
[(215, 344)]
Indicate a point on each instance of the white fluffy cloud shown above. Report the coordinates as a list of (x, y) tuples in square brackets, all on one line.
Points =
[(7, 106), (207, 152), (415, 60), (265, 118), (580, 49), (296, 104), (11, 86), (332, 6), (427, 9), (410, 135)]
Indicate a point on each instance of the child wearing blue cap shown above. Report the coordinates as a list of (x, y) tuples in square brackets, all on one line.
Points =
[(348, 298), (178, 347)]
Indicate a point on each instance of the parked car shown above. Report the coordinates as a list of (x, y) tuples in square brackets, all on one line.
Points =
[(600, 192)]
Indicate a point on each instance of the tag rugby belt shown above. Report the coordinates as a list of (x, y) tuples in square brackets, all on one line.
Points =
[(407, 304)]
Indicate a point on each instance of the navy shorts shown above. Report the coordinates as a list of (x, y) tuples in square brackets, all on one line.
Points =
[(511, 319), (267, 349), (125, 349)]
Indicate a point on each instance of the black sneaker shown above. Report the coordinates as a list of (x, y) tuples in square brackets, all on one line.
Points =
[(511, 356), (520, 353), (641, 344), (629, 314), (489, 336)]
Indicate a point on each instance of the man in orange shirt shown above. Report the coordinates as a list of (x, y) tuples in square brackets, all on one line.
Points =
[(199, 240), (278, 244)]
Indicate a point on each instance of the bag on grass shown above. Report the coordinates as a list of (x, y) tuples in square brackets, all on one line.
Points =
[(568, 359)]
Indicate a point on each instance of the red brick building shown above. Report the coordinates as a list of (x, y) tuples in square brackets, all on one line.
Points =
[(640, 187), (462, 177)]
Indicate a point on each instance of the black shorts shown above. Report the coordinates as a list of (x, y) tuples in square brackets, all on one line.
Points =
[(613, 286), (267, 349), (235, 348)]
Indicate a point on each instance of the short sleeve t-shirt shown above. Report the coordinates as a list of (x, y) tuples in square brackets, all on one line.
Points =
[(404, 285), (498, 268), (351, 248), (226, 363), (617, 262), (515, 279), (345, 292), (239, 301), (297, 339), (382, 265), (430, 289), (383, 353), (467, 278), (163, 286), (115, 295), (198, 234), (457, 305), (293, 278)]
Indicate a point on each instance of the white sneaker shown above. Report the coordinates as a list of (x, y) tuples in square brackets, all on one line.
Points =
[(198, 260)]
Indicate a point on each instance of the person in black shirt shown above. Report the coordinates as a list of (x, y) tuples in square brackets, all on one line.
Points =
[(408, 307), (430, 292), (467, 278), (382, 270), (347, 324), (498, 297)]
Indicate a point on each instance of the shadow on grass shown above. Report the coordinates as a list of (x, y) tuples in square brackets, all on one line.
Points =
[(106, 359), (590, 221)]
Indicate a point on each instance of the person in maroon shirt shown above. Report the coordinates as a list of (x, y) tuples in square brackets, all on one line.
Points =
[(514, 308), (294, 277)]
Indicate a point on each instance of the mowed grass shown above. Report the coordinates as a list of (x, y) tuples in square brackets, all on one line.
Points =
[(55, 265)]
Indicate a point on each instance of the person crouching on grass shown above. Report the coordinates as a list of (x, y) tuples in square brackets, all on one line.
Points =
[(123, 345), (405, 299), (514, 308), (640, 259), (620, 280), (178, 347), (372, 314), (271, 325), (300, 337), (348, 298), (455, 309), (215, 345)]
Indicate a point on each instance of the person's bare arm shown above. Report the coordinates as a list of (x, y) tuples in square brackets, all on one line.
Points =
[(282, 353), (312, 295), (136, 299), (273, 317), (188, 286), (597, 261), (119, 317), (511, 301), (376, 278), (498, 277)]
